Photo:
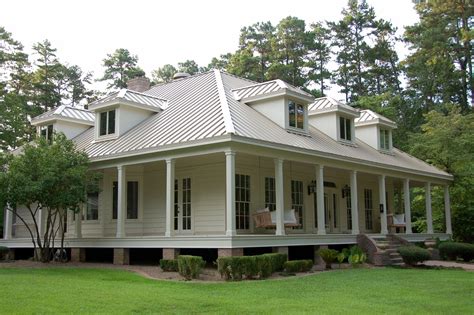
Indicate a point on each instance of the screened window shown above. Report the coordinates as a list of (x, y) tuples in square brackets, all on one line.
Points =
[(132, 200), (349, 210), (368, 209), (107, 123), (242, 201), (270, 193), (47, 132), (92, 210), (297, 202), (295, 115), (345, 129), (384, 139)]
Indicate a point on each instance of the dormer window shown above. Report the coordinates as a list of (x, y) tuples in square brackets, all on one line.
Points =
[(384, 139), (107, 123), (345, 129), (47, 132), (296, 113)]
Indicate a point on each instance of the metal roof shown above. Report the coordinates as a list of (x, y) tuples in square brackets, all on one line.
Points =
[(68, 112), (264, 88), (367, 116), (204, 107), (326, 103), (134, 97)]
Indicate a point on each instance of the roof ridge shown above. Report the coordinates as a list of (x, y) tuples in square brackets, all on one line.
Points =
[(229, 126), (235, 76), (181, 80), (259, 83), (147, 95)]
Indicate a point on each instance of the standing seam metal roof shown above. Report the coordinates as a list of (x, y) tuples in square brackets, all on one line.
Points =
[(66, 112)]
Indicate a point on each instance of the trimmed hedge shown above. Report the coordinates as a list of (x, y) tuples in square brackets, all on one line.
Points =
[(299, 265), (277, 261), (169, 264), (261, 266), (190, 266), (453, 251), (328, 255), (413, 254)]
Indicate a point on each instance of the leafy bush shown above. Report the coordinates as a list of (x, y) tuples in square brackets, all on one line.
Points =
[(190, 266), (169, 264), (299, 265), (328, 255), (3, 252), (356, 256), (413, 254), (340, 258), (239, 267), (264, 266), (453, 251), (277, 260)]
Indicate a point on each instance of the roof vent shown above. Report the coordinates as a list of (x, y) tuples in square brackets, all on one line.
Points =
[(180, 75), (139, 84)]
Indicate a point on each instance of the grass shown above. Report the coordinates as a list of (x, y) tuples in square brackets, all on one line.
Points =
[(367, 291)]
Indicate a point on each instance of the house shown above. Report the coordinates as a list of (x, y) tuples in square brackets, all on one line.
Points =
[(190, 164)]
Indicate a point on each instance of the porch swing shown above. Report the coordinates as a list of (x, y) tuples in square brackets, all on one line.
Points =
[(265, 218)]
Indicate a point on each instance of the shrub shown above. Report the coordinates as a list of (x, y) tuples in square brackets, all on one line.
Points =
[(328, 255), (298, 265), (277, 261), (190, 266), (264, 266), (453, 250), (169, 264), (3, 252), (356, 256), (413, 254), (235, 268)]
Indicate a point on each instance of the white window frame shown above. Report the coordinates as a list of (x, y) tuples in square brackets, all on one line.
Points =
[(47, 134), (343, 138), (298, 196), (270, 193), (130, 178), (385, 137), (241, 204), (296, 129), (86, 209)]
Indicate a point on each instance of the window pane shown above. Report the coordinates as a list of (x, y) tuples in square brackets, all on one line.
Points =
[(103, 124), (92, 212), (292, 113), (114, 200), (382, 139), (50, 133), (348, 130), (300, 117), (111, 127), (132, 200), (342, 128)]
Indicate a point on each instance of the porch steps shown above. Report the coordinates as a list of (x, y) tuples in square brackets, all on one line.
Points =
[(389, 246)]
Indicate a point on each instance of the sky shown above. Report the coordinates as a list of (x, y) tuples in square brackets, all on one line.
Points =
[(164, 32)]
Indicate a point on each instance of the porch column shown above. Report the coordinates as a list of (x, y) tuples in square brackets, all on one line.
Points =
[(354, 204), (7, 231), (122, 200), (429, 216), (320, 199), (230, 192), (169, 196), (447, 210), (383, 205), (407, 203), (280, 198), (40, 221), (78, 224)]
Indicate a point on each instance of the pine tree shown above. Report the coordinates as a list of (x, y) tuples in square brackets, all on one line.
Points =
[(319, 56), (120, 66)]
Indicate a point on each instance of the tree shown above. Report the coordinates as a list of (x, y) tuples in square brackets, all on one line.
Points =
[(120, 66), (319, 56), (76, 90), (164, 74), (220, 63), (446, 142), (48, 177), (188, 66)]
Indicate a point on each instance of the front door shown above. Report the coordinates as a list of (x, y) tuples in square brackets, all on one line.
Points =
[(182, 205), (331, 210)]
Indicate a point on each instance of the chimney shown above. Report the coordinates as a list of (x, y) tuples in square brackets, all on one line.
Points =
[(180, 75), (138, 84)]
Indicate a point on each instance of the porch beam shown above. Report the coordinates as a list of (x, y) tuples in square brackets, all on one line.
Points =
[(8, 230), (230, 193), (354, 203), (320, 199), (383, 205), (122, 200), (280, 197), (447, 210), (429, 215), (407, 205), (170, 178)]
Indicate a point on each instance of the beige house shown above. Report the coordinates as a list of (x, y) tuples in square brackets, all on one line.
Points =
[(194, 163)]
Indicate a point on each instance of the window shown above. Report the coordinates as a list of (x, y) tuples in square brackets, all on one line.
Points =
[(132, 200), (92, 210), (176, 205), (242, 201), (270, 194), (384, 139), (349, 210), (47, 132), (296, 115), (345, 129), (297, 202), (107, 123), (186, 204), (368, 209)]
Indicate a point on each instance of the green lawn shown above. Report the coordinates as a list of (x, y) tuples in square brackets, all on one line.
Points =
[(60, 290)]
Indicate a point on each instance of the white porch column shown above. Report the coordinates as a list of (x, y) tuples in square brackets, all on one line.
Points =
[(170, 178), (122, 200), (230, 192), (280, 198), (320, 199), (77, 224), (354, 204), (40, 221), (407, 203), (383, 203), (7, 231), (447, 210), (429, 216)]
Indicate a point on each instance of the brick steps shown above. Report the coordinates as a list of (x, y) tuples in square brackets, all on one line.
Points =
[(389, 247)]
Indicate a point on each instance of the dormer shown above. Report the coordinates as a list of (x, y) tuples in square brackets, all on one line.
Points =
[(120, 111), (333, 118), (279, 101), (375, 130), (69, 120)]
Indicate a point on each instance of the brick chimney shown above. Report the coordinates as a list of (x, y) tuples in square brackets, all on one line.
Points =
[(139, 84)]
